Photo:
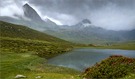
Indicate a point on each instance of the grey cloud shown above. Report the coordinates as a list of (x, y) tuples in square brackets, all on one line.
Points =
[(108, 14), (11, 7)]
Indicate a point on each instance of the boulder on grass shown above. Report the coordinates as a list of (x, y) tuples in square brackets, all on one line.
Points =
[(20, 76)]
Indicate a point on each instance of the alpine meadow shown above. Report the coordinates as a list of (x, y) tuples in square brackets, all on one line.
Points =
[(67, 39)]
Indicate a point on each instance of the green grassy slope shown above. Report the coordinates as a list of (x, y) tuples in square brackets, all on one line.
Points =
[(19, 31), (41, 48), (25, 51), (112, 68), (17, 38)]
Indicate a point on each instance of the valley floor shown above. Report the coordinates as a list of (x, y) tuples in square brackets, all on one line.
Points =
[(123, 45), (32, 66)]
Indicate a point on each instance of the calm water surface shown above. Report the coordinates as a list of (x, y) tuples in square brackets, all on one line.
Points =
[(81, 59)]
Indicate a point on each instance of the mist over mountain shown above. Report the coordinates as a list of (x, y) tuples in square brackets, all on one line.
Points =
[(107, 14), (31, 19), (82, 32)]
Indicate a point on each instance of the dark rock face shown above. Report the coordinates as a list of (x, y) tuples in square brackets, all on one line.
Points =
[(86, 21), (30, 13)]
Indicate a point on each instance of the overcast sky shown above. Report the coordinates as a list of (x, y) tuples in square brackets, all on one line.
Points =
[(109, 14)]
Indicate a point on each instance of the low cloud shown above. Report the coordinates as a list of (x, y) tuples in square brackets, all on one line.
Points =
[(10, 8), (109, 14)]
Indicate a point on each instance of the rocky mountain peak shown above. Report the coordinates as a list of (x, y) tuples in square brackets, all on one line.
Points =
[(30, 13), (86, 21), (26, 5)]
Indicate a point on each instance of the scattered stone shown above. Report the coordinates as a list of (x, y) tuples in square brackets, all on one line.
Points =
[(20, 76), (38, 77), (78, 75), (72, 77)]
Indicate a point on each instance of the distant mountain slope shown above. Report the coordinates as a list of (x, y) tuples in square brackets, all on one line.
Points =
[(18, 31), (85, 32)]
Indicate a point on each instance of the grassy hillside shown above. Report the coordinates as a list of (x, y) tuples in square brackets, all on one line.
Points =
[(112, 68), (25, 51), (41, 48), (17, 38), (19, 31)]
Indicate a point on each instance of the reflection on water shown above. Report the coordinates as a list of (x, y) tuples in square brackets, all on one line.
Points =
[(81, 59)]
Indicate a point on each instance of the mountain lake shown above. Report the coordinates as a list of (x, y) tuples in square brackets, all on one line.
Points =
[(82, 58)]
